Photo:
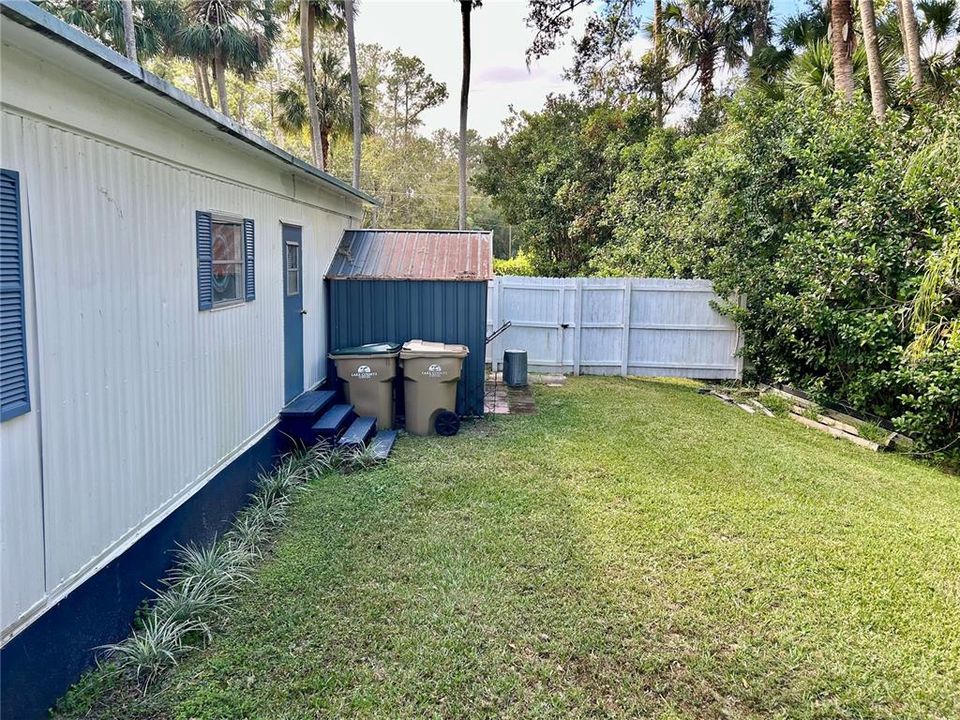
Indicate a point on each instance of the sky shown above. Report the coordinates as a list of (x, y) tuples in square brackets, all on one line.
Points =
[(430, 29)]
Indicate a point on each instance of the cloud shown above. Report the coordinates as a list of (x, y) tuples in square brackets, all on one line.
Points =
[(506, 74)]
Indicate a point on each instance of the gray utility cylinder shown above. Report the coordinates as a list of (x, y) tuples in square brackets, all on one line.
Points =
[(515, 368)]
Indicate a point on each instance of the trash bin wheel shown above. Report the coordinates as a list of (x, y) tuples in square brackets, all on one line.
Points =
[(447, 423)]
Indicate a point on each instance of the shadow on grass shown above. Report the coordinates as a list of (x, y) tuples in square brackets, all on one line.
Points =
[(632, 550)]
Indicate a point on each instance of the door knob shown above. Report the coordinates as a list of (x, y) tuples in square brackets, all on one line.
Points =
[(303, 312)]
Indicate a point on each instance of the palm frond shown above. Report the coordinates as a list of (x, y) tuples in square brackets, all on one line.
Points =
[(292, 115)]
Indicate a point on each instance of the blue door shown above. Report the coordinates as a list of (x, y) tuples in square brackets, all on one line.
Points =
[(293, 312)]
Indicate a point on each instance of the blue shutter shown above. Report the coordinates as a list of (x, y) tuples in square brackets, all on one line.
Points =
[(14, 383), (248, 256), (204, 261)]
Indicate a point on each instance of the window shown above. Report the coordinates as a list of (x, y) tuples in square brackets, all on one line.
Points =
[(225, 260), (14, 381), (293, 269)]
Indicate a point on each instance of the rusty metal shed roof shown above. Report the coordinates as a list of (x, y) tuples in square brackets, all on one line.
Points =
[(413, 255)]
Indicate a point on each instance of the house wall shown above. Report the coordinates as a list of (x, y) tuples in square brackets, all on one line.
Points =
[(138, 398)]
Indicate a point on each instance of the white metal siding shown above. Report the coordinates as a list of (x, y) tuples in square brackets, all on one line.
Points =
[(141, 394), (21, 501), (600, 326)]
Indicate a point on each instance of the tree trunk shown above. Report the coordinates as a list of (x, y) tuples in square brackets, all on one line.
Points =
[(878, 89), (354, 90), (198, 81), (129, 29), (706, 65), (658, 60), (324, 149), (310, 85), (911, 41), (760, 26), (396, 115), (466, 6), (205, 79), (841, 45), (220, 76)]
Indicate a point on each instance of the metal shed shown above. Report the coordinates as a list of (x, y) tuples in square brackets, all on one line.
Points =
[(396, 285)]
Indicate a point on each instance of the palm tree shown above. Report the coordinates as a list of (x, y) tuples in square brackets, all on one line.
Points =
[(334, 106), (129, 30), (878, 89), (354, 90), (759, 16), (841, 45), (466, 8), (911, 41), (659, 60), (939, 20), (309, 15), (155, 23), (811, 72), (310, 84), (228, 34), (802, 29), (701, 30)]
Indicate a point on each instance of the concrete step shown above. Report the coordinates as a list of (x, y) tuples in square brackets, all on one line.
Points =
[(298, 417), (359, 432), (334, 421), (309, 405), (382, 444)]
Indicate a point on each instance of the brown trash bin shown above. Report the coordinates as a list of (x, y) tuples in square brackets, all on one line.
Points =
[(367, 372), (431, 372)]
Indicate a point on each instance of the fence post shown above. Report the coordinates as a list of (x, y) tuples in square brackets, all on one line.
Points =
[(625, 343), (495, 312), (738, 352), (578, 321)]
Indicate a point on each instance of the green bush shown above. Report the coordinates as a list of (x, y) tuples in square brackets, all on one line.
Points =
[(549, 172), (519, 264), (931, 402), (825, 221)]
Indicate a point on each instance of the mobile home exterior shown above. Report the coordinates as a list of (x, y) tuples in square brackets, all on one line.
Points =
[(162, 300)]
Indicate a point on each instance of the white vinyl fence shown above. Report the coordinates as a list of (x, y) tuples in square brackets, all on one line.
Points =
[(613, 326)]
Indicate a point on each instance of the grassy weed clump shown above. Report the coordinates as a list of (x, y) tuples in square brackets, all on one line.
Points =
[(774, 403), (197, 601), (216, 566), (151, 649), (197, 592), (812, 412), (873, 432), (358, 458)]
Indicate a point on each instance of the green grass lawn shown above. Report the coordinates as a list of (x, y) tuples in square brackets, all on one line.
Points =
[(634, 550)]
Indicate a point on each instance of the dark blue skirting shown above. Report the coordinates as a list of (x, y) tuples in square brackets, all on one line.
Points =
[(39, 665)]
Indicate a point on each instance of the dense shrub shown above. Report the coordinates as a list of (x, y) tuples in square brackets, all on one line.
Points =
[(825, 221), (549, 173), (519, 264)]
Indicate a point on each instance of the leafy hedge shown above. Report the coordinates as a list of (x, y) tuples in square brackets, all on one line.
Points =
[(827, 222), (550, 172), (519, 264)]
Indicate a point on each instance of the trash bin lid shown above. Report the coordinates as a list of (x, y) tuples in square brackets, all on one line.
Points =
[(425, 348), (383, 348)]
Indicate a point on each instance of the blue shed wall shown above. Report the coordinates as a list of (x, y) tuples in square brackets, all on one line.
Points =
[(366, 311)]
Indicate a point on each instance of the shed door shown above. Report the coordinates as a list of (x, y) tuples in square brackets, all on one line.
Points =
[(293, 312)]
